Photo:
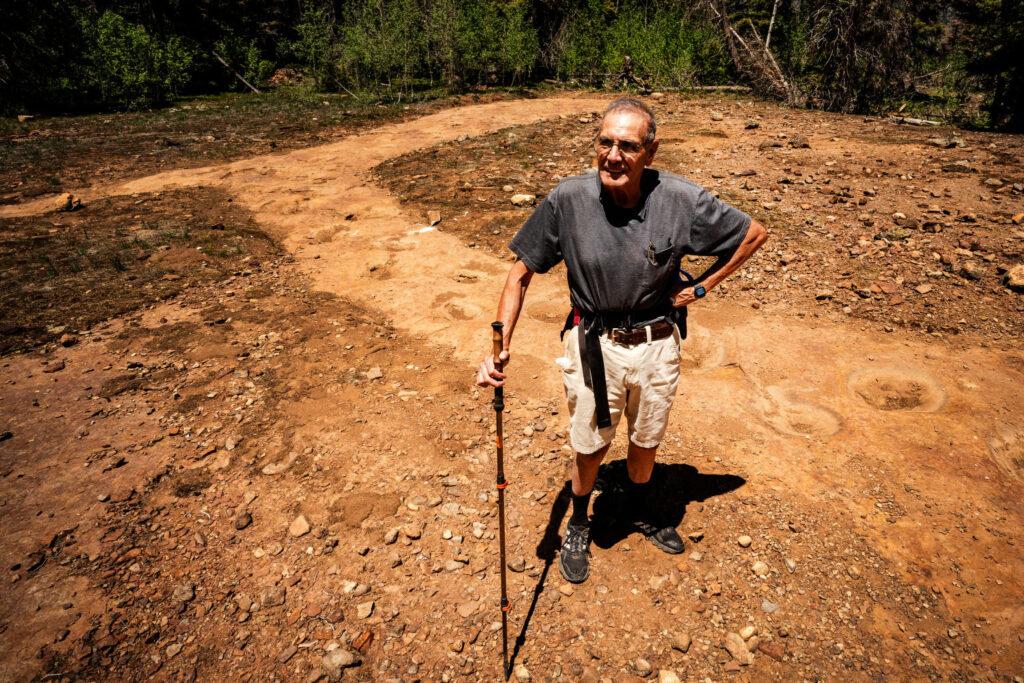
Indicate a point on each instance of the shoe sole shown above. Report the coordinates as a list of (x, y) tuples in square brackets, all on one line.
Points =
[(561, 570), (664, 548)]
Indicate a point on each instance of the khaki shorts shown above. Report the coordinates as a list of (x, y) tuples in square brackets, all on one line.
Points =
[(642, 381)]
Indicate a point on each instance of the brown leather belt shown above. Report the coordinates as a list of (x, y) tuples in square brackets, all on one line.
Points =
[(638, 335)]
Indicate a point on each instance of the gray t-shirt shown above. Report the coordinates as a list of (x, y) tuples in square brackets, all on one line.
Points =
[(626, 259)]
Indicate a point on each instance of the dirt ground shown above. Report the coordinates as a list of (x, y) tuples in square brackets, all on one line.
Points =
[(244, 444)]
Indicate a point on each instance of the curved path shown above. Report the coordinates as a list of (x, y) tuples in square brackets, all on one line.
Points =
[(842, 415)]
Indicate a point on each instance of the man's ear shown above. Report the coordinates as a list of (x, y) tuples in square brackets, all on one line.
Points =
[(652, 149)]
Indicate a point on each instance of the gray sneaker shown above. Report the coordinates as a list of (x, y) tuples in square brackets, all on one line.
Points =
[(573, 560)]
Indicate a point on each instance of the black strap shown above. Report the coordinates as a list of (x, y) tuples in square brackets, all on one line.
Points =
[(592, 362)]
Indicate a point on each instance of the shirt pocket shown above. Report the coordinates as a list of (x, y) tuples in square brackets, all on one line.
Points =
[(660, 259)]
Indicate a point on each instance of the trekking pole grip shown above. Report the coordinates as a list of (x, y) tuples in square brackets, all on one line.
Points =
[(496, 347), (497, 343)]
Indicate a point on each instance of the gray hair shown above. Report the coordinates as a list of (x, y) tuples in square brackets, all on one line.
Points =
[(633, 104)]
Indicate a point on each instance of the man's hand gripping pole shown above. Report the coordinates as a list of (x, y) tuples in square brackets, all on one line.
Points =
[(499, 407)]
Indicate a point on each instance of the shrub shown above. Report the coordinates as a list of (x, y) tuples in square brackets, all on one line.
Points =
[(315, 44), (130, 69)]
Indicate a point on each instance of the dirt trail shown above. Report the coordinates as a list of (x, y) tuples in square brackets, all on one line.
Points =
[(916, 448)]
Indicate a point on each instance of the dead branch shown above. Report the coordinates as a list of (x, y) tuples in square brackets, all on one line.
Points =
[(237, 75)]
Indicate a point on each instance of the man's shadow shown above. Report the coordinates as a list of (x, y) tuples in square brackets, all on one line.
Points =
[(674, 487)]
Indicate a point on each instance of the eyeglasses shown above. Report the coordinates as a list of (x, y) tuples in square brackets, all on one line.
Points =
[(625, 146)]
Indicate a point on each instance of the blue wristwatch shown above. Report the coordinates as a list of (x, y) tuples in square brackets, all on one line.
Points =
[(698, 288)]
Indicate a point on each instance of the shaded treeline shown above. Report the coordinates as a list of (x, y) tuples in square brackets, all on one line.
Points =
[(959, 58)]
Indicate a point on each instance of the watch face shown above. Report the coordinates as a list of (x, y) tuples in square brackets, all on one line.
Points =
[(699, 290)]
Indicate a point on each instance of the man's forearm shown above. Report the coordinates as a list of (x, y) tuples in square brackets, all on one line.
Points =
[(512, 297), (755, 237)]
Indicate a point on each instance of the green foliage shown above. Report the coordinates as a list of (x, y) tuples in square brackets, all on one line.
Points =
[(381, 44), (244, 56), (576, 51), (130, 68), (491, 41), (315, 44), (667, 46), (959, 59)]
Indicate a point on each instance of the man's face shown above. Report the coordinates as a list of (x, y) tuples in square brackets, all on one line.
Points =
[(621, 152)]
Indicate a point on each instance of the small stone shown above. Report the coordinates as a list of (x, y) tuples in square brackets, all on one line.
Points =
[(523, 199), (565, 589), (643, 668), (274, 596), (458, 645), (657, 582), (517, 565), (434, 217), (335, 661), (467, 609), (682, 642), (853, 571), (773, 649), (744, 541), (365, 609), (760, 569), (413, 531), (67, 202), (56, 366), (769, 607), (923, 289), (103, 497), (668, 676), (716, 115), (799, 141), (1014, 278), (67, 340), (173, 649), (695, 536), (971, 270), (184, 593), (747, 632), (243, 520), (751, 125), (391, 536), (735, 646), (287, 654), (299, 526), (790, 565), (521, 673), (952, 633)]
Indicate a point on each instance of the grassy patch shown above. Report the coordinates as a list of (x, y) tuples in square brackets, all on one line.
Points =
[(55, 154), (65, 272)]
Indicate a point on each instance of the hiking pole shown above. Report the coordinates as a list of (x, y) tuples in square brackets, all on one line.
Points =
[(499, 406)]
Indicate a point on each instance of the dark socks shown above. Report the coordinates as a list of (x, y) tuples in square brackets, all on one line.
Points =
[(579, 510), (639, 497)]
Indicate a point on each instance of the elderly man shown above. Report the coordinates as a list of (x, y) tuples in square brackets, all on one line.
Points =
[(622, 234)]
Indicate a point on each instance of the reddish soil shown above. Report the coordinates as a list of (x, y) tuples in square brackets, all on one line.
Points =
[(153, 472)]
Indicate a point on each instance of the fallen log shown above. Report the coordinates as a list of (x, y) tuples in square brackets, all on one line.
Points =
[(911, 121)]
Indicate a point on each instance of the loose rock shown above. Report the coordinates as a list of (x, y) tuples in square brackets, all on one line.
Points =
[(735, 646), (243, 520), (682, 642), (523, 200), (335, 661), (299, 526)]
